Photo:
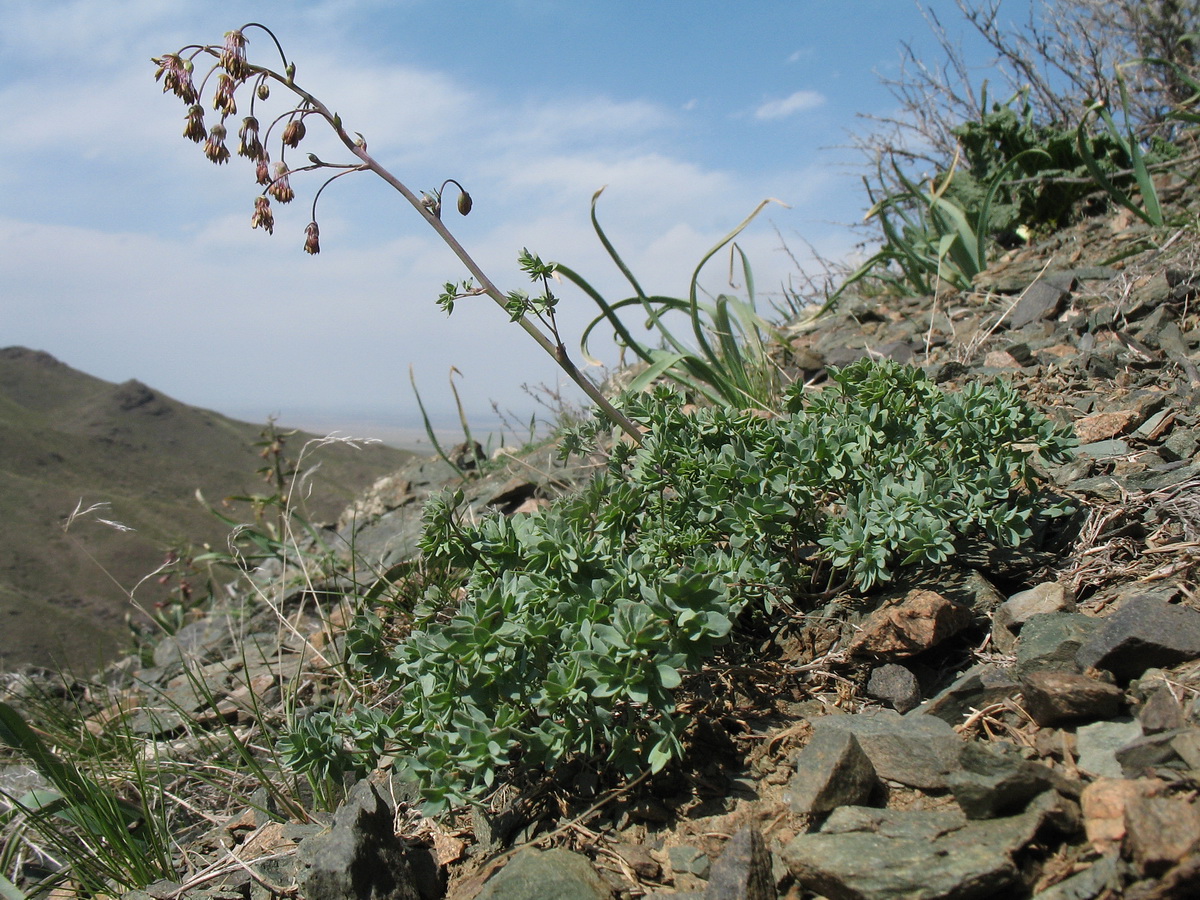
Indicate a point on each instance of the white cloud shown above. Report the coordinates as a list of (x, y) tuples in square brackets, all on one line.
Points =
[(800, 101)]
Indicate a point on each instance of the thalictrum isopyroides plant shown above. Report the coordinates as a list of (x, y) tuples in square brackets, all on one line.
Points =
[(236, 78)]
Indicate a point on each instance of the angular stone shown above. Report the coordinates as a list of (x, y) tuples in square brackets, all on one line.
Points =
[(688, 860), (1144, 632), (360, 856), (1187, 746), (1151, 751), (981, 685), (743, 871), (831, 771), (1097, 745), (1103, 803), (1104, 449), (1090, 884), (1052, 640), (922, 619), (992, 784), (1041, 300), (919, 751), (537, 874), (1047, 597), (1104, 425), (874, 854), (894, 685), (1055, 697), (1162, 711), (1160, 832)]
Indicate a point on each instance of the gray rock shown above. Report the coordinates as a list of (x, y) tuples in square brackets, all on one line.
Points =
[(1187, 745), (1162, 711), (743, 871), (360, 857), (1144, 632), (1102, 875), (992, 783), (896, 686), (1041, 300), (1052, 640), (980, 686), (200, 641), (1047, 597), (919, 751), (688, 860), (1052, 698), (832, 770), (1150, 751), (1097, 745), (873, 854), (1106, 449), (540, 874)]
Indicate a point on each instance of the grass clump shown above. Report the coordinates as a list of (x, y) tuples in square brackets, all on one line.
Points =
[(568, 630)]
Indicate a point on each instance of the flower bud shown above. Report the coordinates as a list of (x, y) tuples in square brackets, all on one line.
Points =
[(263, 217), (312, 239), (194, 129), (223, 95), (293, 132), (464, 203), (280, 189), (263, 90), (249, 145), (214, 147)]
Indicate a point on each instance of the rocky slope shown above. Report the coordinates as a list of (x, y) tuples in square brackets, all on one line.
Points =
[(1012, 724)]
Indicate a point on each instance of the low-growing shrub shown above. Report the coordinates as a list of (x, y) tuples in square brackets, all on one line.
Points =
[(572, 627)]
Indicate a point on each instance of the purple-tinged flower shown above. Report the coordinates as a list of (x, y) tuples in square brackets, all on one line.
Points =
[(249, 145), (263, 217), (233, 56), (176, 74), (293, 132), (223, 95), (279, 188), (194, 129), (214, 147), (262, 169), (312, 239)]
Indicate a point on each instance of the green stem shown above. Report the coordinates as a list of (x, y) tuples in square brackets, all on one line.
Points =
[(556, 349)]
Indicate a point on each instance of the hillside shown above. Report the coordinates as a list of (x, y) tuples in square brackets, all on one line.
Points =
[(68, 438)]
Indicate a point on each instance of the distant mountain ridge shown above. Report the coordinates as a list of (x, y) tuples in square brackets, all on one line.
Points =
[(67, 437)]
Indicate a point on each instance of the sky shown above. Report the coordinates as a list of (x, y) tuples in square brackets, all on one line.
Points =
[(126, 254)]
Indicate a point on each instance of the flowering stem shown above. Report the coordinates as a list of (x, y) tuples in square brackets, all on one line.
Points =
[(556, 349)]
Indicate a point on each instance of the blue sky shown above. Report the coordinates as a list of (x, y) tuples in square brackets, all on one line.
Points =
[(128, 255)]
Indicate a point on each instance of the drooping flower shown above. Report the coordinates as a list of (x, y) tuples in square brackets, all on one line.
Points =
[(194, 129), (262, 169), (233, 56), (312, 239), (280, 189), (249, 145), (263, 217), (214, 147), (223, 95), (176, 75), (293, 132)]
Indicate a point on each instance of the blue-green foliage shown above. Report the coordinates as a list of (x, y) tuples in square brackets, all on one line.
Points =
[(577, 623)]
